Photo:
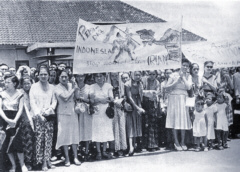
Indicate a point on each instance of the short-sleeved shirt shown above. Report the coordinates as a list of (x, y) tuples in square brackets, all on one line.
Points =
[(10, 102)]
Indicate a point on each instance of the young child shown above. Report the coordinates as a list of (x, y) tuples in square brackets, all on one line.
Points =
[(200, 124), (222, 122), (211, 112)]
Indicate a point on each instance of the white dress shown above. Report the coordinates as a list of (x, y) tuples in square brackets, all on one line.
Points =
[(68, 127), (85, 119), (199, 124), (222, 121), (210, 110), (102, 129)]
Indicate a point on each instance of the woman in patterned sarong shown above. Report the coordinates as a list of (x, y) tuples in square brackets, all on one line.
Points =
[(43, 103)]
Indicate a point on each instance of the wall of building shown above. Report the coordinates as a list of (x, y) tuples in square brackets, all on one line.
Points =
[(10, 56)]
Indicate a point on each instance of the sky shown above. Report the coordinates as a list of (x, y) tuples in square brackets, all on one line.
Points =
[(214, 20)]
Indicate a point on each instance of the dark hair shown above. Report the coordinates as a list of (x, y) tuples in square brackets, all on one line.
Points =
[(44, 67), (22, 80), (191, 67), (54, 64), (3, 64), (14, 79), (206, 62), (94, 75), (184, 60), (59, 74)]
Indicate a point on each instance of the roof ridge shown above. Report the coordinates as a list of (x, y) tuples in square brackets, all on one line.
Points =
[(142, 11)]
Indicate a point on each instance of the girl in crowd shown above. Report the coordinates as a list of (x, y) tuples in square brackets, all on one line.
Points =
[(222, 122), (209, 80), (150, 118), (177, 113), (27, 123), (211, 112), (119, 120), (85, 119), (11, 107), (68, 126), (102, 131), (43, 103), (200, 124), (134, 93)]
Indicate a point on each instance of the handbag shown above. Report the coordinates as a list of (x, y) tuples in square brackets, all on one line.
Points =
[(110, 110), (80, 107), (127, 106)]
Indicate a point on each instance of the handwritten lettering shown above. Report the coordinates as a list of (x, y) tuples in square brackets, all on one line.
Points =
[(91, 50), (85, 33), (157, 60)]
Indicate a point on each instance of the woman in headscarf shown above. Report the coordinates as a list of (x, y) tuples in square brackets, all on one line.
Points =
[(150, 118), (102, 131), (134, 94), (43, 103)]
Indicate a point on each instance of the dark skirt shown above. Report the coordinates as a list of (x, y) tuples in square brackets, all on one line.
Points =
[(13, 141), (150, 125)]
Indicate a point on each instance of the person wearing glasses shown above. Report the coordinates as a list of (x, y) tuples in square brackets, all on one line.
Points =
[(150, 105), (177, 113), (209, 81)]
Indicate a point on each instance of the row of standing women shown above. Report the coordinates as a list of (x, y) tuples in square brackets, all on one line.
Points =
[(139, 103)]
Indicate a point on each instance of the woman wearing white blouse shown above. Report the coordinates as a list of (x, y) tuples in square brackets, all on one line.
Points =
[(43, 103)]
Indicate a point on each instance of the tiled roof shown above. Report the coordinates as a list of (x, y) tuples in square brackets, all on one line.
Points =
[(23, 22)]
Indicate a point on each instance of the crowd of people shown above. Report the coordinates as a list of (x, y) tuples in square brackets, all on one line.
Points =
[(49, 113)]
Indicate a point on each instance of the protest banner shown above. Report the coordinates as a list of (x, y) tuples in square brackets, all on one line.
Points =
[(223, 54), (127, 47)]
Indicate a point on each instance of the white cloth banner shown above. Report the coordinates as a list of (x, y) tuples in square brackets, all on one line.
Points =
[(127, 47), (223, 54)]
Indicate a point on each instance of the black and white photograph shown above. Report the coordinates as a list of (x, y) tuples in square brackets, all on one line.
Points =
[(119, 85)]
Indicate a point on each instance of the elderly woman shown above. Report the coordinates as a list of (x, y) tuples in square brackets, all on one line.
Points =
[(150, 118), (11, 107), (209, 81), (43, 103), (85, 119), (134, 93), (67, 134), (102, 131), (177, 113)]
